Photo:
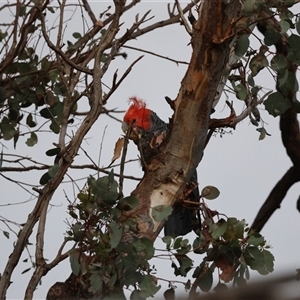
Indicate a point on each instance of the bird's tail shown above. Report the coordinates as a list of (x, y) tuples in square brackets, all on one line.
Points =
[(184, 219), (180, 222)]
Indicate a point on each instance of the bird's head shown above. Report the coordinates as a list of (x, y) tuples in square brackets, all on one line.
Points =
[(137, 118)]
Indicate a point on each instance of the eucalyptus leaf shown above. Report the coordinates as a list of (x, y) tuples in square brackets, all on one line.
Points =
[(32, 140), (276, 104), (75, 266), (206, 281), (116, 232), (127, 203), (210, 192), (53, 170), (148, 286), (242, 45), (161, 212), (45, 178)]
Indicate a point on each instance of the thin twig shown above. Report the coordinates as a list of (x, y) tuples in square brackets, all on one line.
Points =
[(155, 54), (183, 19), (100, 151), (105, 98)]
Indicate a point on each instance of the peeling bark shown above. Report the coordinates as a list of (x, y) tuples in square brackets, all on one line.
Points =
[(168, 173)]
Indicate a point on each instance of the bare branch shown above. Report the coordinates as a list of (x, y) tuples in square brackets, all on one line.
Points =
[(68, 153), (89, 11), (117, 84), (60, 52), (155, 54), (275, 198), (183, 19)]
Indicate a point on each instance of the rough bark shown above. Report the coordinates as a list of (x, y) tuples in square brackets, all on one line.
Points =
[(167, 175)]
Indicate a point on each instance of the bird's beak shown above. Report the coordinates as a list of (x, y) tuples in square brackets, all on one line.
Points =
[(125, 127), (134, 132)]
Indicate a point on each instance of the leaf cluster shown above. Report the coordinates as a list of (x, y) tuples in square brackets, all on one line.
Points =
[(108, 254), (228, 248), (275, 20)]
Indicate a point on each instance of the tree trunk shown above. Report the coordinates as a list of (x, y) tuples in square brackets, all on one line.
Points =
[(167, 175)]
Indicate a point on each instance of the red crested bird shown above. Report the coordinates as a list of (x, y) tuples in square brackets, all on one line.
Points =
[(148, 131)]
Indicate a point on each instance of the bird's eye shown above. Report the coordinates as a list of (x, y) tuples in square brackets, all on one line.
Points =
[(134, 121)]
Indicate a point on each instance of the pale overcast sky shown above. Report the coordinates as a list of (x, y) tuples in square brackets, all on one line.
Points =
[(243, 168)]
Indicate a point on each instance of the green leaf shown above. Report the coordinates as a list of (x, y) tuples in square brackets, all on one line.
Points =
[(293, 41), (139, 246), (53, 151), (206, 281), (8, 130), (70, 45), (256, 240), (96, 283), (46, 113), (169, 294), (298, 26), (29, 121), (257, 63), (200, 245), (288, 83), (185, 263), (51, 9), (149, 248), (148, 286), (282, 77), (16, 138), (260, 260), (271, 36), (6, 234), (252, 6), (131, 276), (242, 45), (185, 247), (106, 190), (218, 229), (75, 266), (45, 178), (161, 212), (32, 140), (55, 126), (177, 243), (251, 80), (278, 62), (116, 232), (285, 26), (296, 105), (53, 170), (276, 104), (241, 91), (269, 260), (221, 288), (58, 109), (168, 240), (26, 270), (76, 35), (235, 229), (145, 246), (127, 203), (210, 192), (263, 133)]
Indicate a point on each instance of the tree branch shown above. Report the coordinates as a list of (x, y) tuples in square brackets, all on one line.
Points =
[(68, 154), (167, 174), (275, 198)]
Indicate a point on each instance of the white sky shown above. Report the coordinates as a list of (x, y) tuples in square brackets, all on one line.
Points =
[(243, 168)]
